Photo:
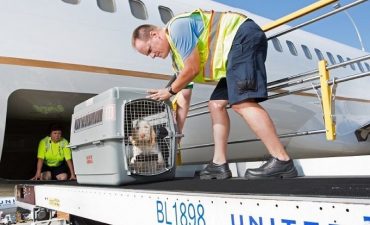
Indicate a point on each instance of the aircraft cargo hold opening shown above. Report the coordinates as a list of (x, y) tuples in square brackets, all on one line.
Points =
[(29, 116)]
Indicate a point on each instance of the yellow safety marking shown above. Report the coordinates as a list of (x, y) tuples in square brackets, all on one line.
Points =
[(326, 101), (174, 102), (178, 157), (54, 202), (330, 133), (174, 108), (299, 13)]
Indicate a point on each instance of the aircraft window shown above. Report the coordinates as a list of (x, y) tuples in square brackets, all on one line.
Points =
[(74, 2), (107, 5), (306, 51), (165, 13), (331, 58), (277, 44), (292, 48), (138, 9), (367, 66), (352, 65), (360, 66), (319, 54), (340, 58)]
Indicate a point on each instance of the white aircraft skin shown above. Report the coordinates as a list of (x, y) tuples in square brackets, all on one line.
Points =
[(73, 51)]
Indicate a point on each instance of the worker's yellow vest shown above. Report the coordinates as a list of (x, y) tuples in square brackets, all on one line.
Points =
[(50, 157), (62, 143), (213, 45)]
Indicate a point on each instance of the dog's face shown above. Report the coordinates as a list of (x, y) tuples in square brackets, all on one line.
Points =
[(143, 133)]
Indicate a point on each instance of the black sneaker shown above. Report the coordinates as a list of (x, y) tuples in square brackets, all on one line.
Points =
[(273, 168), (215, 171)]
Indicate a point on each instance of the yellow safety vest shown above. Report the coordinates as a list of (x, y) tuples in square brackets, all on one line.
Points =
[(213, 45), (53, 153)]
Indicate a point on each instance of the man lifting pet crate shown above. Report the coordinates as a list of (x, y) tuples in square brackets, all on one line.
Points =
[(120, 137)]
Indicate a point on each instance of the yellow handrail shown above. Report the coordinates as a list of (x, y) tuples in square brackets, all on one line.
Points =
[(315, 6), (326, 99), (299, 13)]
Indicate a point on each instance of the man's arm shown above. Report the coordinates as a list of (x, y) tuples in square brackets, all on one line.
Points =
[(71, 169), (37, 176), (191, 69), (68, 158), (40, 160)]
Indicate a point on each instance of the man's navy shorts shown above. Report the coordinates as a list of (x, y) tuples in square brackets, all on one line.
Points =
[(55, 171), (246, 73)]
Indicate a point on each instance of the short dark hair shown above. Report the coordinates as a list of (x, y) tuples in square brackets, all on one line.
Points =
[(142, 32), (54, 127)]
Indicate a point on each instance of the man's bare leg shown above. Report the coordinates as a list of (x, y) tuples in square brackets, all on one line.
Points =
[(183, 103), (279, 165), (46, 175), (62, 176), (218, 168), (261, 124), (221, 129)]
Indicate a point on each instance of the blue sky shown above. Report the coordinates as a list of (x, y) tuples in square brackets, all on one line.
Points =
[(337, 27)]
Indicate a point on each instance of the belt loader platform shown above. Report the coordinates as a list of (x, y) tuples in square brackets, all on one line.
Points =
[(301, 201)]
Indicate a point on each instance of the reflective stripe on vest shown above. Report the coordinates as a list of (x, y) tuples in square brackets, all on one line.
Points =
[(213, 31), (213, 45), (62, 143)]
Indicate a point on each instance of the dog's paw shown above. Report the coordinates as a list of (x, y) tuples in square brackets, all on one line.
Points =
[(160, 158), (160, 161), (132, 161)]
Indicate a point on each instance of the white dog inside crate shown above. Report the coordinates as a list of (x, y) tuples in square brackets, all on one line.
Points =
[(144, 143)]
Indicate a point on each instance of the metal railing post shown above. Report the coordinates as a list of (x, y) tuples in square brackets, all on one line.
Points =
[(326, 101)]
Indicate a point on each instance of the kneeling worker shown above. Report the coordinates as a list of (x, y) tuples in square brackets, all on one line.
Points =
[(52, 156)]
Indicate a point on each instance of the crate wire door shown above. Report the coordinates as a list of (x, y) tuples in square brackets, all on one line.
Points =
[(149, 148)]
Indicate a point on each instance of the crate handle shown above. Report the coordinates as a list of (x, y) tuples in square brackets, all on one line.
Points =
[(176, 135), (179, 135), (97, 142)]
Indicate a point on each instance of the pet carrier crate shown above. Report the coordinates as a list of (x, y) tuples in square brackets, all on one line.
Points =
[(120, 137)]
